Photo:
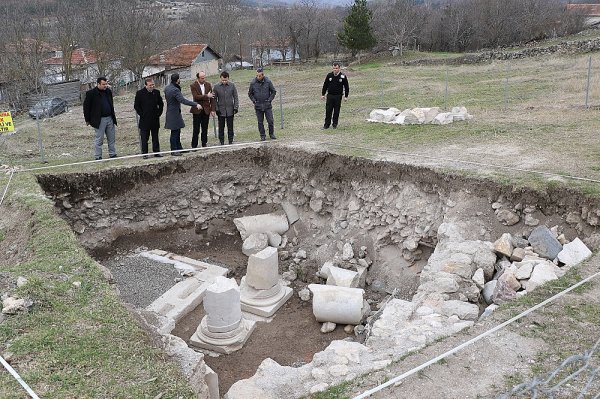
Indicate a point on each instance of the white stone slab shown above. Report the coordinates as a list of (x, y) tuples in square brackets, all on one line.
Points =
[(574, 252), (184, 296), (342, 277)]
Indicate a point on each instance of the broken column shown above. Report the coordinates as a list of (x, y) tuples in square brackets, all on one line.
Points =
[(270, 222), (342, 277), (339, 305), (223, 329), (261, 291)]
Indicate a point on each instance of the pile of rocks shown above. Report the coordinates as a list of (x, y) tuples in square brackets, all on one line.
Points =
[(527, 264), (419, 116)]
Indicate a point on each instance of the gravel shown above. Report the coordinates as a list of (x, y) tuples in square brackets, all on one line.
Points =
[(141, 280)]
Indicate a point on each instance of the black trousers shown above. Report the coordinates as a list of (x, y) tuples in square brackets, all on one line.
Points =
[(333, 105), (200, 121), (260, 116), (145, 135), (229, 121)]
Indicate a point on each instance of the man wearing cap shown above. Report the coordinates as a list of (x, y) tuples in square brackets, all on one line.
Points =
[(174, 120), (335, 86), (261, 93)]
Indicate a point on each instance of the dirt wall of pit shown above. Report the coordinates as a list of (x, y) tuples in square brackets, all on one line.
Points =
[(377, 204)]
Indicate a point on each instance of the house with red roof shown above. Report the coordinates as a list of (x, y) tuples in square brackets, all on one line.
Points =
[(83, 62), (186, 60)]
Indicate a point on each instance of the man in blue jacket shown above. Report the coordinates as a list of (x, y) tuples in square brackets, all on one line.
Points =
[(99, 112), (261, 93)]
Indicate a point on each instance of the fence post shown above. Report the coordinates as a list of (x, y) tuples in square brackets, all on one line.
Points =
[(587, 89), (446, 91), (281, 103), (40, 142), (381, 88), (506, 97)]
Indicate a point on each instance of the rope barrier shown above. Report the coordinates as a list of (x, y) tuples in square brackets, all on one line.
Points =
[(472, 341), (18, 378)]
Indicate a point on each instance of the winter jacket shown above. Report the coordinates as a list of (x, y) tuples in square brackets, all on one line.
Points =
[(149, 106), (92, 106), (261, 93), (226, 98), (174, 99)]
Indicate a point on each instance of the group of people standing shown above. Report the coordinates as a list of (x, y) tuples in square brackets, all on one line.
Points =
[(207, 101)]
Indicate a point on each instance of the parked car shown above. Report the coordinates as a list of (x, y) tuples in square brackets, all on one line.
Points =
[(48, 108)]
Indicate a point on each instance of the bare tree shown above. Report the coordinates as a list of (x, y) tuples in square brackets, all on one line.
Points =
[(218, 23), (287, 29), (397, 22), (306, 12), (140, 36), (102, 33), (67, 31), (24, 47)]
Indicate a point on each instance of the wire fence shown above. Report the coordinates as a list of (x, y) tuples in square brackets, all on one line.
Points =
[(577, 377), (500, 92)]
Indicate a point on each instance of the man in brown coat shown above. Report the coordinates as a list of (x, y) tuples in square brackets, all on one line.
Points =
[(202, 94)]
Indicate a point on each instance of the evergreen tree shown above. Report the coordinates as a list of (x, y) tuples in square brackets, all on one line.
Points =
[(357, 34)]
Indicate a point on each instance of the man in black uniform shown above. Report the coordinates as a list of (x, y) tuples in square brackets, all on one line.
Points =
[(149, 106), (335, 86)]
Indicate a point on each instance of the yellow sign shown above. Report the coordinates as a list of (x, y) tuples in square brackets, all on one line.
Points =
[(6, 122)]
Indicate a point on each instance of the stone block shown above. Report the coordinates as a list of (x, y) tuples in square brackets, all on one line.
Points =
[(263, 269), (574, 252), (342, 277), (255, 243), (544, 243)]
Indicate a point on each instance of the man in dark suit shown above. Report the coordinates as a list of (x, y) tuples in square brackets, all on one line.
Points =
[(149, 106), (202, 94), (99, 112), (173, 118)]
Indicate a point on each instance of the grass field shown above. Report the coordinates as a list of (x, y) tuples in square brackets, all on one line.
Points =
[(78, 341)]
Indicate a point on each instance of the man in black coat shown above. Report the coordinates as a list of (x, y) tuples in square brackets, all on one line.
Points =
[(335, 86), (261, 93), (99, 112), (149, 106)]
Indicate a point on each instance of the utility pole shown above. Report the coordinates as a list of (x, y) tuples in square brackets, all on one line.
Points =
[(240, 39)]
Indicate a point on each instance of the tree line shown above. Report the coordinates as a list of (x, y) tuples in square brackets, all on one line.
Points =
[(134, 30)]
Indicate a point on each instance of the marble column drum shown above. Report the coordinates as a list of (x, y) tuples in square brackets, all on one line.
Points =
[(261, 291), (223, 329)]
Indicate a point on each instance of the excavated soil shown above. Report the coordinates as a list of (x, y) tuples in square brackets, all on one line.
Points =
[(187, 207)]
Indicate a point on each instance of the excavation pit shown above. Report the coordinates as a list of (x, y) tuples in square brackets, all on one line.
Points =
[(352, 212)]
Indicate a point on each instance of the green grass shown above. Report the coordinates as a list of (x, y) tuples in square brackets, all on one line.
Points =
[(89, 345), (339, 391)]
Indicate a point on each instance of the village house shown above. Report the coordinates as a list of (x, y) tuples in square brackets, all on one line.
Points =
[(186, 60), (273, 50)]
